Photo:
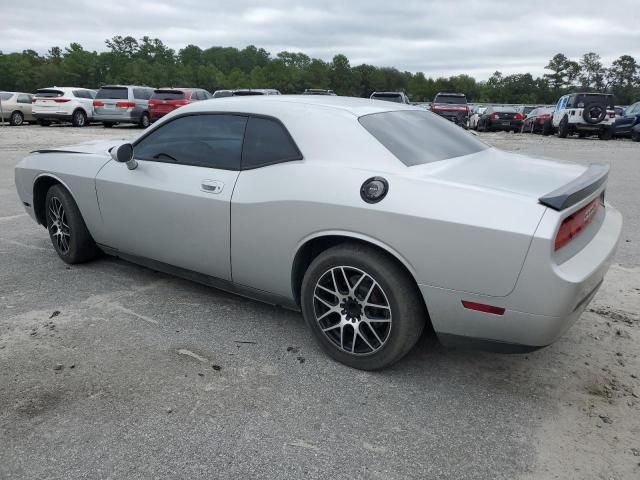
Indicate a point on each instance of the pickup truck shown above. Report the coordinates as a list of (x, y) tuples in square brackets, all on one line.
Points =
[(452, 106)]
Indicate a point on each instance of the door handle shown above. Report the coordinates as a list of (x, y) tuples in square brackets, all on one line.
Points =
[(211, 186)]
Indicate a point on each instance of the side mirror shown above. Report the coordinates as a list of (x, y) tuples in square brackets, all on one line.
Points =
[(124, 154)]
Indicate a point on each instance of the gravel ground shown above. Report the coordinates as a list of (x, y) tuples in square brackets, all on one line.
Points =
[(109, 370)]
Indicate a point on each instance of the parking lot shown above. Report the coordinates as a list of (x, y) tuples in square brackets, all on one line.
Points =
[(110, 370)]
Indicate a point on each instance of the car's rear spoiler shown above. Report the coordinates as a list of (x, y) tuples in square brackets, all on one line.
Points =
[(578, 189)]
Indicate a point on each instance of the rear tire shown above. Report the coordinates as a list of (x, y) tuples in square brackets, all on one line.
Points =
[(605, 134), (67, 230), (144, 121), (349, 327), (79, 118), (563, 128), (16, 119)]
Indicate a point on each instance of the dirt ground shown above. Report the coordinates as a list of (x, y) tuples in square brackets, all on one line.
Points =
[(109, 370)]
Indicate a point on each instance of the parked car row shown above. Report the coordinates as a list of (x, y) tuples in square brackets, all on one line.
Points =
[(110, 105), (583, 114)]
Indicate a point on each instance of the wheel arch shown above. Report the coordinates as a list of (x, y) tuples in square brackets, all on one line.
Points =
[(313, 245), (41, 186)]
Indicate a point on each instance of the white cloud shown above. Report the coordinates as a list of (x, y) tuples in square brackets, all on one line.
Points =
[(438, 37)]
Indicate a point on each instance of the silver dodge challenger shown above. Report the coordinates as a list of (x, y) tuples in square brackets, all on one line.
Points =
[(374, 219)]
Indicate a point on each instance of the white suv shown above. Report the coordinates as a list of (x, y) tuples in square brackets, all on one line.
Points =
[(584, 114), (63, 104)]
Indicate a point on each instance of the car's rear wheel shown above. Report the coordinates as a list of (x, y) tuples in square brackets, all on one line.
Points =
[(563, 128), (79, 118), (67, 230), (605, 134), (362, 307), (16, 119), (144, 121)]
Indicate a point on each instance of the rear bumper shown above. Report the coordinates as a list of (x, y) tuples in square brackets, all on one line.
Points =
[(499, 125), (547, 299), (59, 117), (134, 116)]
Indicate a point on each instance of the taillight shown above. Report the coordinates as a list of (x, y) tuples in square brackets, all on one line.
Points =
[(575, 223), (61, 100), (612, 114), (518, 116), (493, 116), (125, 104), (98, 103), (179, 103)]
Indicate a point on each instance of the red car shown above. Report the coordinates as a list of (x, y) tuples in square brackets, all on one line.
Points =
[(535, 121), (165, 100)]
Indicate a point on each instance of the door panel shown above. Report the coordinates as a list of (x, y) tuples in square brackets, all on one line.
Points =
[(169, 213)]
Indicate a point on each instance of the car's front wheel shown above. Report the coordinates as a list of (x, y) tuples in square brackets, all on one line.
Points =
[(563, 128), (362, 307), (16, 119), (67, 230)]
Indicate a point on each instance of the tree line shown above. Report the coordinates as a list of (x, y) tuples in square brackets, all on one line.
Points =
[(148, 61)]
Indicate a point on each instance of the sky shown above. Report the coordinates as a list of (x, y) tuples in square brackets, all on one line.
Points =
[(437, 37)]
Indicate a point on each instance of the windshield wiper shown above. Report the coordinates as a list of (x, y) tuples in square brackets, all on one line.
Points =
[(165, 155)]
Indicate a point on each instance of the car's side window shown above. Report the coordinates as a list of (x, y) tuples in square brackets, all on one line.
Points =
[(210, 140), (24, 99), (266, 142)]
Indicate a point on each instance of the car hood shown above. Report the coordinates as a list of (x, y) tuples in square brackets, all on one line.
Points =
[(93, 146), (508, 172)]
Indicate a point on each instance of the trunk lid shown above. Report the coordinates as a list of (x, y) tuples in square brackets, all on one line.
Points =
[(504, 171)]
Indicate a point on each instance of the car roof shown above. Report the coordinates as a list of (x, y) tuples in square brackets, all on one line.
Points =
[(123, 86), (275, 103)]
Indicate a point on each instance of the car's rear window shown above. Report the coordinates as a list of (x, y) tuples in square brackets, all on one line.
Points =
[(245, 93), (5, 95), (504, 109), (49, 93), (417, 137), (167, 95), (113, 93), (389, 97), (453, 99)]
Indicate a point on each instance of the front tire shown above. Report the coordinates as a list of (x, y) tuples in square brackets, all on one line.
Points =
[(362, 307), (563, 128), (67, 230), (16, 119)]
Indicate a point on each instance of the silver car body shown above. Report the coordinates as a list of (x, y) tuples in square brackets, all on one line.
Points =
[(13, 102), (121, 103), (470, 228)]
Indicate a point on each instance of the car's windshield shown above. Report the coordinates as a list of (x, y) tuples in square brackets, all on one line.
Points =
[(167, 95), (389, 97), (453, 99), (222, 94), (246, 93), (416, 137), (113, 93)]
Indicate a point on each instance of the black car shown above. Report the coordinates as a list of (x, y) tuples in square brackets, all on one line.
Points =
[(500, 118), (623, 126)]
